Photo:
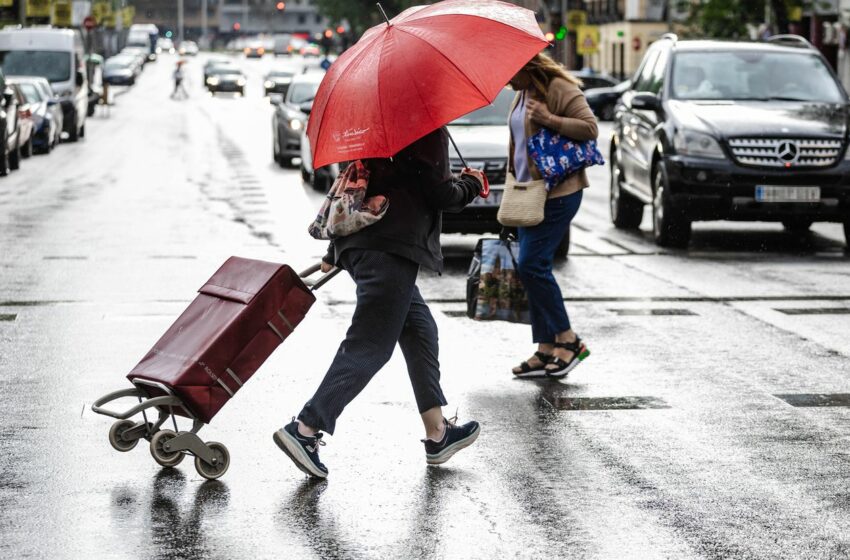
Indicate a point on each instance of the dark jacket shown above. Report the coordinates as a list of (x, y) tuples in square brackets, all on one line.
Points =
[(419, 185)]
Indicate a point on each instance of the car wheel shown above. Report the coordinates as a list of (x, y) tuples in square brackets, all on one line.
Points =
[(275, 147), (563, 250), (608, 112), (83, 131), (626, 210), (15, 156), (797, 227), (74, 133), (847, 233), (4, 156), (305, 175), (670, 227)]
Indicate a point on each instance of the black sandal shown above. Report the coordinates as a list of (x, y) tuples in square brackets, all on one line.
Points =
[(562, 369), (527, 371)]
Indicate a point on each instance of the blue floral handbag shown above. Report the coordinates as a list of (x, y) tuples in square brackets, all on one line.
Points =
[(557, 157)]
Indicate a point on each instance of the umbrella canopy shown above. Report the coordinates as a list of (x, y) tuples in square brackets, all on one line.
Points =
[(421, 70)]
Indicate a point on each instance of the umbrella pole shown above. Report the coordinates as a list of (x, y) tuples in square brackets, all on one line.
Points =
[(452, 140), (384, 13)]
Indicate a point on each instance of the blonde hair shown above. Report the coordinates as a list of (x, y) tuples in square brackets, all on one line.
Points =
[(542, 70)]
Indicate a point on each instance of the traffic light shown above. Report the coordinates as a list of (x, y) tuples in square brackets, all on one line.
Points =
[(281, 6), (562, 32), (237, 26), (329, 33), (340, 30)]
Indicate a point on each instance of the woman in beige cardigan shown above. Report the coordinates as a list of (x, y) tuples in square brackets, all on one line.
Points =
[(548, 96)]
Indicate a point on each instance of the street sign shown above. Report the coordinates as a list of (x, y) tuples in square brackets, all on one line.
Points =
[(325, 64), (89, 23), (38, 8), (587, 39), (575, 19), (62, 13)]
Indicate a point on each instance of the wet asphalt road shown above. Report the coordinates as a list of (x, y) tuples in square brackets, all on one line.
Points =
[(678, 438)]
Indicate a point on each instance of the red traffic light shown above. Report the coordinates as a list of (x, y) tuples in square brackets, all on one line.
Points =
[(340, 30), (237, 26), (281, 5), (329, 33)]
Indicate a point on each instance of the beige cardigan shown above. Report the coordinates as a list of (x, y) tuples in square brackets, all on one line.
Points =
[(571, 117)]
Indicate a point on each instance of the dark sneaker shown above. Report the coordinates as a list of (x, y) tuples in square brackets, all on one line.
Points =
[(303, 450), (454, 439)]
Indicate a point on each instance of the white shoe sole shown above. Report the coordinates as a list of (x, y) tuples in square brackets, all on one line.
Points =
[(294, 451), (449, 451)]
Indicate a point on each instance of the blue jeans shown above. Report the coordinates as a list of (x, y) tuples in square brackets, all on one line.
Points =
[(389, 310), (537, 246)]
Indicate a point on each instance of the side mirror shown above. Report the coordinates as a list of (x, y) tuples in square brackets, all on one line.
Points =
[(8, 97), (646, 102), (275, 98), (81, 78), (306, 107), (52, 102)]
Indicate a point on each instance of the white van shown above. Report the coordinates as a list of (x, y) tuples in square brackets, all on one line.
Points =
[(144, 35), (55, 54)]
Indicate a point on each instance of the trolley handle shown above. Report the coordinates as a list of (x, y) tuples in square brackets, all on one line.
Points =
[(323, 279), (134, 392)]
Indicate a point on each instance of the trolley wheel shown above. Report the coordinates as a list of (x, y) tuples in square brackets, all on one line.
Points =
[(222, 461), (160, 455), (115, 436)]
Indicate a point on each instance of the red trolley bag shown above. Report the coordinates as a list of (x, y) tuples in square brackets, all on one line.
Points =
[(240, 316)]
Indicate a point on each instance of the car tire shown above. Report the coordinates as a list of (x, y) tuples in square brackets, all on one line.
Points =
[(275, 149), (26, 151), (15, 156), (847, 233), (797, 227), (305, 175), (670, 228), (607, 113), (563, 250), (4, 157), (626, 210), (83, 131), (74, 133)]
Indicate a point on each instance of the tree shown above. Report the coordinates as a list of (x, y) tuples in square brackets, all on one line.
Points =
[(362, 14), (728, 19)]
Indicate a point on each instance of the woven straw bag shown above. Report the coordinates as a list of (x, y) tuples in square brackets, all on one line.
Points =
[(522, 203)]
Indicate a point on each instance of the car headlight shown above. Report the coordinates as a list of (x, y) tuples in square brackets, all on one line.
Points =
[(296, 124), (692, 143), (240, 82), (213, 81), (268, 84)]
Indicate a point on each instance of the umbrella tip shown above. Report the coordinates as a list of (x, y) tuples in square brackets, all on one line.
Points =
[(384, 13)]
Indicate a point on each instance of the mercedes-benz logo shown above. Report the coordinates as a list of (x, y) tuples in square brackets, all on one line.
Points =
[(787, 152)]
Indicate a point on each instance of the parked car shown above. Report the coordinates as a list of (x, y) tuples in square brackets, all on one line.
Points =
[(144, 36), (10, 154), (277, 81), (731, 131), (37, 103), (164, 45), (290, 118), (55, 54), (591, 80), (226, 79), (121, 70), (603, 101), (188, 48), (26, 122), (140, 54)]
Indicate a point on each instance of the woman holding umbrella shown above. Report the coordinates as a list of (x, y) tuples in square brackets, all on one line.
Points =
[(385, 101), (548, 96)]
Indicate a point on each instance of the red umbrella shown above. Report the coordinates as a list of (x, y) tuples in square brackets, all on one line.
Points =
[(413, 74)]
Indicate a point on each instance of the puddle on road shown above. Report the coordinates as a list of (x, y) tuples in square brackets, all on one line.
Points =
[(65, 258), (605, 403), (816, 311), (805, 400), (7, 317), (652, 312)]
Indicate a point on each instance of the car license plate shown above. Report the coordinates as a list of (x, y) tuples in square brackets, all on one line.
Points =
[(776, 193), (494, 199)]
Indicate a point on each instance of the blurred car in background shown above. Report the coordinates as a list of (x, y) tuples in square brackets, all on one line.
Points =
[(121, 70), (254, 51), (188, 48), (603, 101), (281, 43), (139, 53), (310, 50), (46, 115), (226, 79), (25, 118), (10, 154), (290, 118), (214, 63), (590, 79), (164, 45), (277, 81)]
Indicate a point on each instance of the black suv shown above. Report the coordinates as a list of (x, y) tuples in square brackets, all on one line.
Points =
[(716, 130)]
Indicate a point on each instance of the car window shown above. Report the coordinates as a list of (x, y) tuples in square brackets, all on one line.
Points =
[(302, 93), (656, 79), (494, 114), (757, 75), (30, 93), (644, 80), (53, 65)]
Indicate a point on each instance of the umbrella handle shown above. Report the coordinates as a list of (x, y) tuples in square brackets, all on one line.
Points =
[(485, 183)]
